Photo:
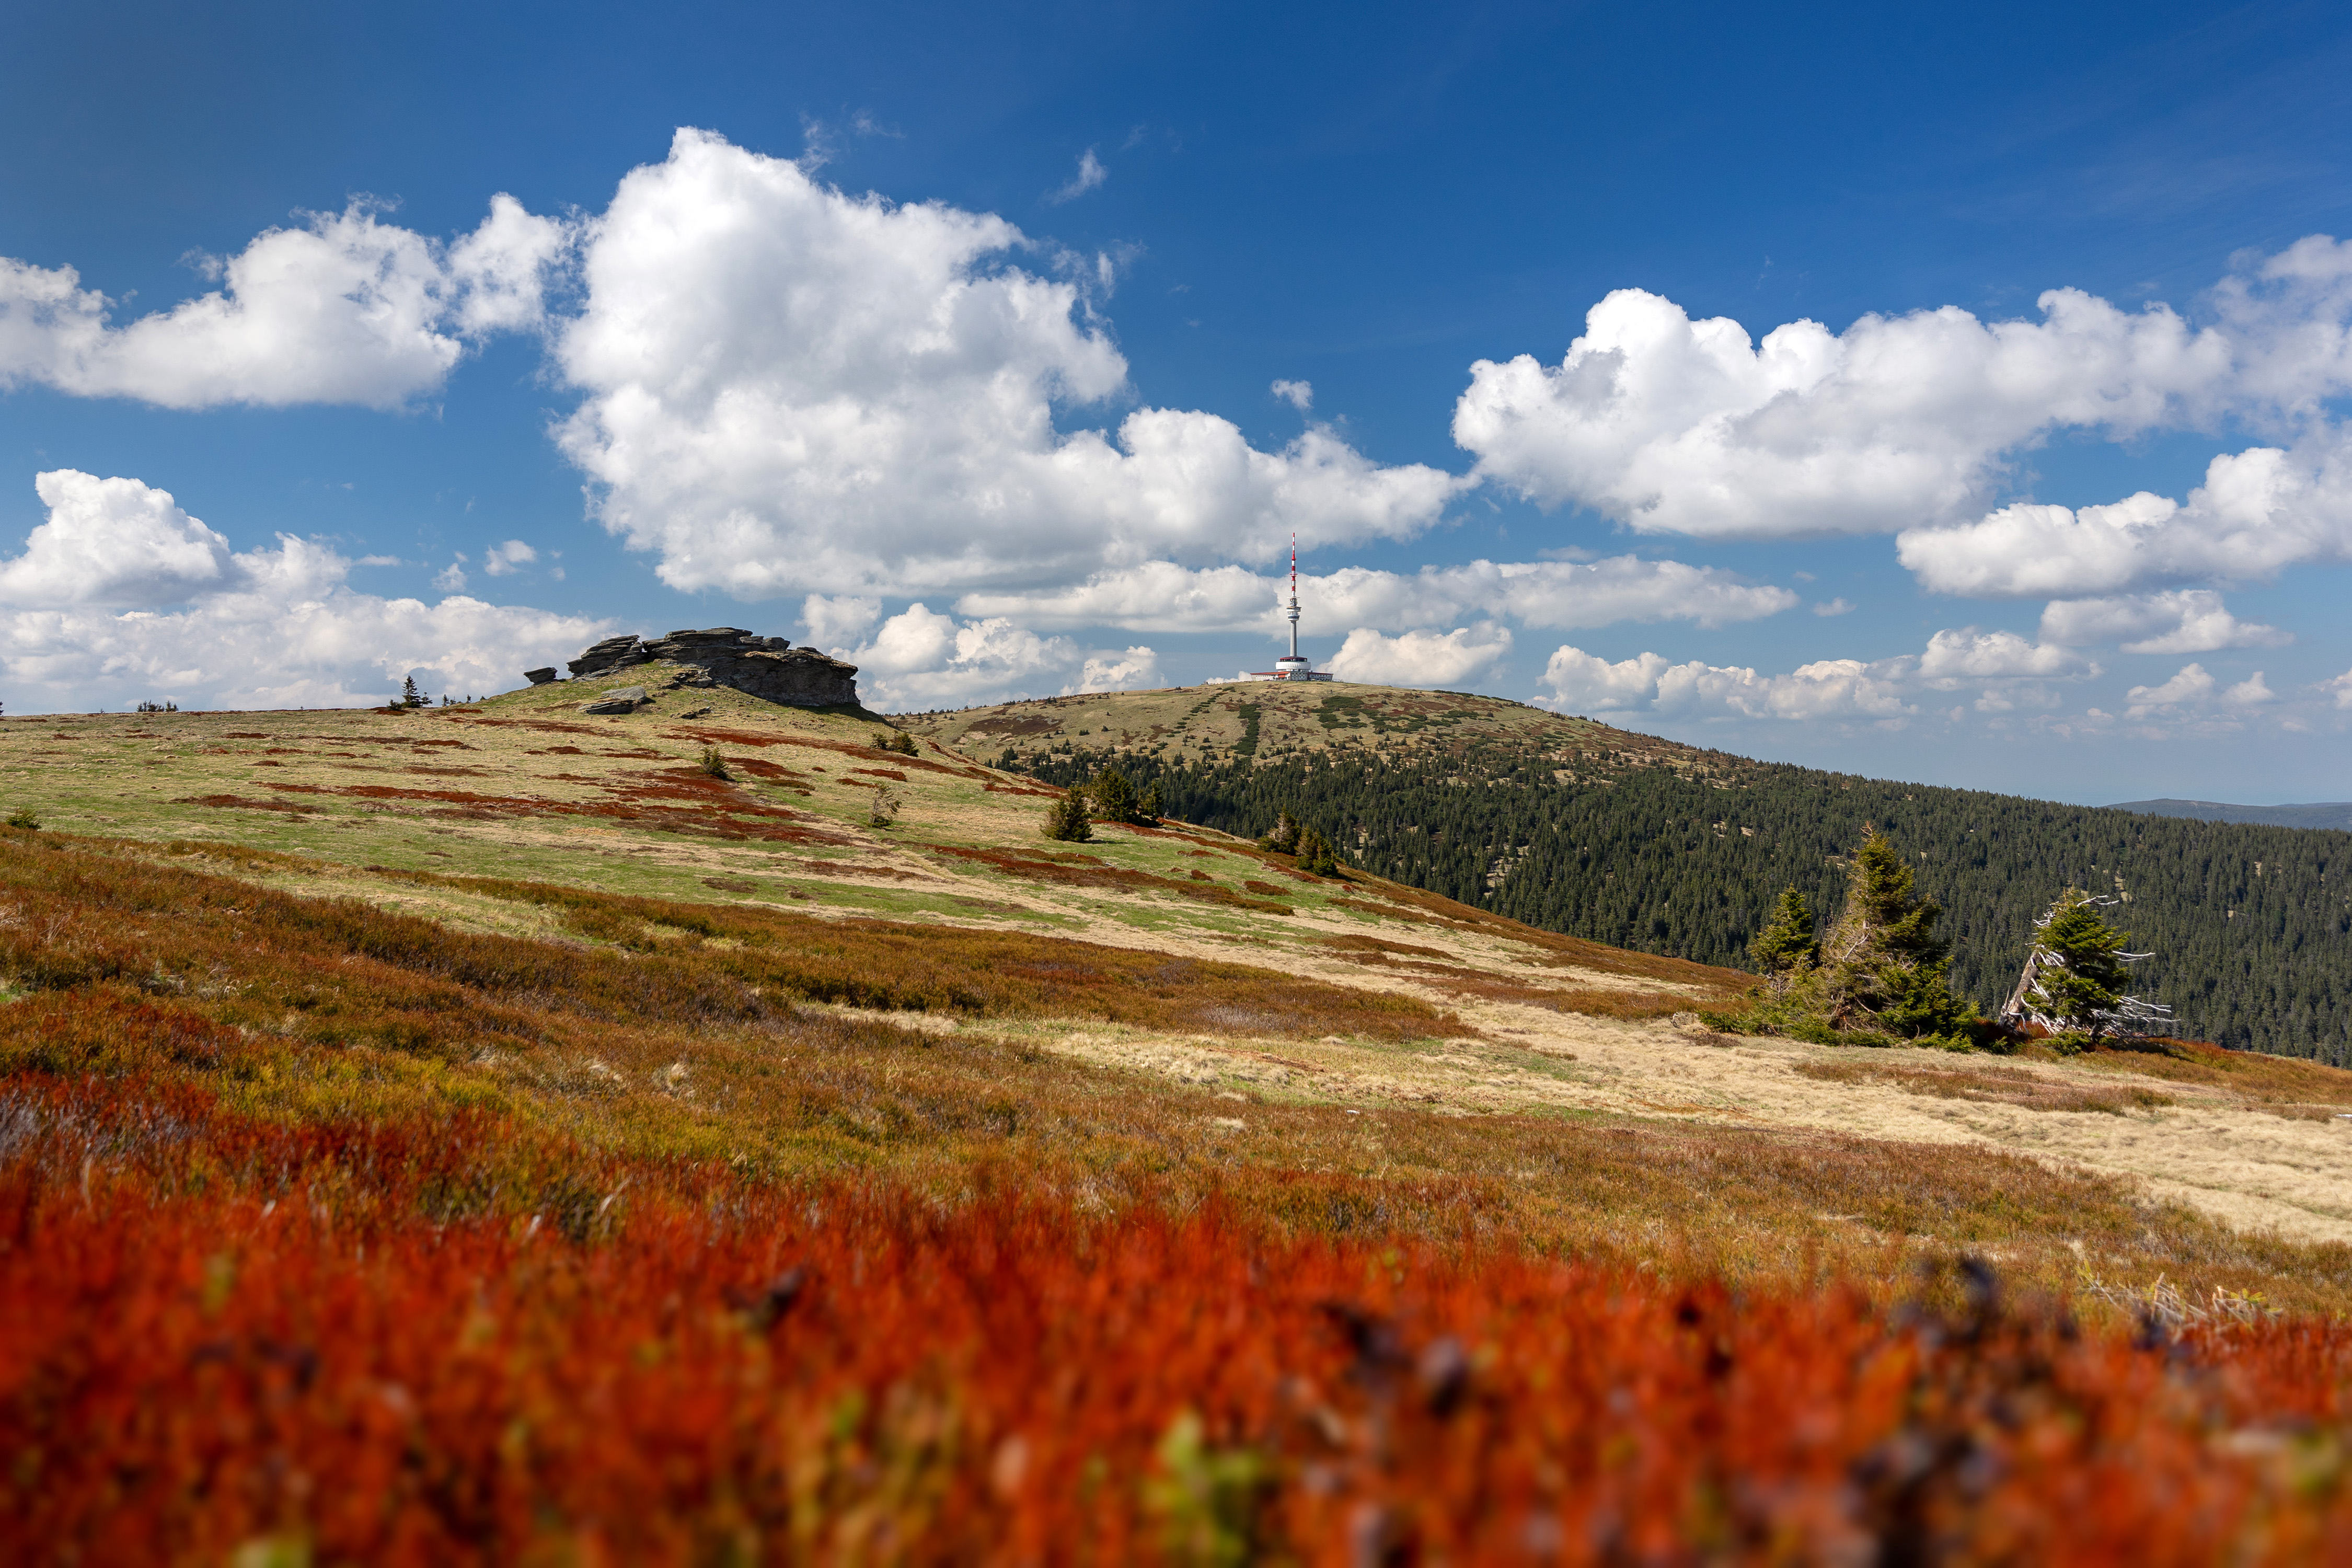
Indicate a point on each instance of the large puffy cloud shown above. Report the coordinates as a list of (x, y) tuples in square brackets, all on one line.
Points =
[(1419, 659), (1160, 596), (2191, 620), (790, 389), (275, 628), (347, 308), (2258, 513), (1669, 424), (920, 659), (1968, 655), (113, 541)]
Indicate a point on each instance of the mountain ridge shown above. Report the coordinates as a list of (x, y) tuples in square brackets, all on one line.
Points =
[(2335, 815)]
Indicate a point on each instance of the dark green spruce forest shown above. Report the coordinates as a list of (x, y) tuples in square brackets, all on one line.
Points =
[(2250, 926)]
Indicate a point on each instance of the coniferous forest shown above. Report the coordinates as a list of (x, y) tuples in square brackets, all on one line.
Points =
[(2250, 926)]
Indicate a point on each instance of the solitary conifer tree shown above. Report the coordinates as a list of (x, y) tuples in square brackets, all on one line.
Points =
[(2075, 977), (1788, 945), (1065, 819)]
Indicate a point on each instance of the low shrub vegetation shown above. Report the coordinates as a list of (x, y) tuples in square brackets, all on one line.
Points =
[(701, 1233)]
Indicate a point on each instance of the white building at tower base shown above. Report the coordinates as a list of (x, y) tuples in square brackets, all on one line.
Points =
[(1292, 666)]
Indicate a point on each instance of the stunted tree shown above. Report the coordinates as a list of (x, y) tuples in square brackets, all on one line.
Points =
[(1789, 946), (1284, 839), (2074, 979), (1114, 797), (1067, 819), (1886, 971), (1315, 856), (411, 695)]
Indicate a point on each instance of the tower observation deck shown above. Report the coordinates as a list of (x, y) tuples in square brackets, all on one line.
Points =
[(1292, 666)]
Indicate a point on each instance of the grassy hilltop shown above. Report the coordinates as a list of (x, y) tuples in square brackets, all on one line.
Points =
[(503, 1130)]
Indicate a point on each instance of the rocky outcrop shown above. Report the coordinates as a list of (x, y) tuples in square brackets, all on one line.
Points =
[(539, 676), (767, 668), (611, 654)]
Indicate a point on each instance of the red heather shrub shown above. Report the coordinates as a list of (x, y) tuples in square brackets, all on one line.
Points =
[(441, 1342)]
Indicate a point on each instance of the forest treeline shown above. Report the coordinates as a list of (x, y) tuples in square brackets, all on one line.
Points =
[(2250, 926)]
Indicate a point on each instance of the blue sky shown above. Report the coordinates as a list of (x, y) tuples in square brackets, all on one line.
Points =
[(1033, 389)]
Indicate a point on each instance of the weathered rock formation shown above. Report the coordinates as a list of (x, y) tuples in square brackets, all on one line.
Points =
[(539, 676), (768, 667)]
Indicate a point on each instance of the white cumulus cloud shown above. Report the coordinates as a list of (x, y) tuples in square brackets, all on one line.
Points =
[(1671, 424), (275, 628), (2190, 620), (1968, 655), (1912, 422), (2258, 513), (1419, 659), (837, 621), (347, 308), (2189, 689), (793, 389), (113, 541), (1135, 669), (1828, 689), (1299, 394), (919, 659)]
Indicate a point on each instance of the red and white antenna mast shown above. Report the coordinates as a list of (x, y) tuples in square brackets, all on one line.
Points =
[(1294, 599)]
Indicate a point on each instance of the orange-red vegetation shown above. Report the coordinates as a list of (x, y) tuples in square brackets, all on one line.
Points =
[(444, 1340)]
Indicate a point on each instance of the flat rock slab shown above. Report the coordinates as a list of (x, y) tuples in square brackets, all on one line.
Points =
[(625, 700)]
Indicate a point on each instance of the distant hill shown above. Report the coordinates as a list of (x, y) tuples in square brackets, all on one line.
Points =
[(1645, 843), (2336, 814)]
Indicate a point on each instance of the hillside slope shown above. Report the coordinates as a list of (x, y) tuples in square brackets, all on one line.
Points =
[(1648, 844), (1174, 960)]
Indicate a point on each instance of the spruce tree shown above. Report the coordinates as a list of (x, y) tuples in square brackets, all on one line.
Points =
[(2075, 977), (1065, 819), (1314, 856), (1114, 797), (1789, 943), (1886, 970)]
